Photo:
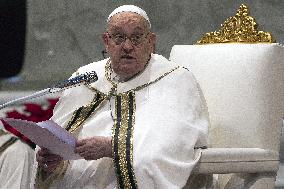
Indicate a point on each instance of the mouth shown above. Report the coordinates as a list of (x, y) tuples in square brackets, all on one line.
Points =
[(128, 57)]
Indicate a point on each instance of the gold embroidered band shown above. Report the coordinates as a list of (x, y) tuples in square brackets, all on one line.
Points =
[(84, 112), (2, 132), (11, 141), (122, 131), (122, 137)]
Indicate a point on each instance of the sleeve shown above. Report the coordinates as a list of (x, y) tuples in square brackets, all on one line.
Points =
[(38, 180), (16, 161), (177, 124), (71, 99), (42, 182), (62, 113)]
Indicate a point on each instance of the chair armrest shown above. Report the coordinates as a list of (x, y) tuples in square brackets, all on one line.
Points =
[(237, 160)]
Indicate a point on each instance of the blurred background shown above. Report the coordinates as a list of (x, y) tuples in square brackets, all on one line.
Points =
[(45, 41)]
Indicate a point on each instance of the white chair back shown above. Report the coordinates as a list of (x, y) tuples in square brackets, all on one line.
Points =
[(243, 85)]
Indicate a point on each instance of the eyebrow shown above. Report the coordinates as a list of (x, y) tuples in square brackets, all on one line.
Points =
[(117, 29)]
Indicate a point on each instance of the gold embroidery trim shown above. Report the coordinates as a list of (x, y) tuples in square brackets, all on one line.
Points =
[(122, 135), (240, 28), (85, 111), (156, 80), (113, 90), (7, 144), (123, 171), (2, 132), (131, 138), (122, 140), (108, 74)]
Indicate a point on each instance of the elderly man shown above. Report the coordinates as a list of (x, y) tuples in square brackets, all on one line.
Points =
[(138, 126)]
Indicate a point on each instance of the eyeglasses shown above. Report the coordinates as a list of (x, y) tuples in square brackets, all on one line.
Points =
[(136, 39)]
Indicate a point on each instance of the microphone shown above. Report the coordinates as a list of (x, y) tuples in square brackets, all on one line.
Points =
[(86, 78)]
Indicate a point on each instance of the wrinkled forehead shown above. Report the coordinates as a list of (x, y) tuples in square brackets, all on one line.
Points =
[(128, 20)]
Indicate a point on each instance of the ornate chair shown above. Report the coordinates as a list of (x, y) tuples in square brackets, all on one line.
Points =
[(241, 73)]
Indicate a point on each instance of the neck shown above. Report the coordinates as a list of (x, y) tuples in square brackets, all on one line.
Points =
[(127, 77), (124, 78)]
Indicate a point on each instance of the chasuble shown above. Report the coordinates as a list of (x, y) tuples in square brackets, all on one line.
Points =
[(157, 121)]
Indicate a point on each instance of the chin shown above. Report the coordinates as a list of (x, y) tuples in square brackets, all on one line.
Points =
[(128, 61), (127, 71)]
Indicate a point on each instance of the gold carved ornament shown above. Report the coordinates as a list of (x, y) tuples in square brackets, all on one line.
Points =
[(240, 28)]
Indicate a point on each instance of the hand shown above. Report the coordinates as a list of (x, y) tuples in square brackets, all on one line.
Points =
[(48, 161), (94, 148)]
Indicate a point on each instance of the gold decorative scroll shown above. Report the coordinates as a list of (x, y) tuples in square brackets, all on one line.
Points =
[(240, 28)]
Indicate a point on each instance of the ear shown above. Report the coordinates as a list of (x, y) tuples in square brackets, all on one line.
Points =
[(152, 41), (105, 40)]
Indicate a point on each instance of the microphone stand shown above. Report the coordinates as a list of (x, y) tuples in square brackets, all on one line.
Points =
[(86, 78)]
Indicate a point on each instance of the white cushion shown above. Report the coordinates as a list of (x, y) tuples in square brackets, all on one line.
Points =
[(243, 85), (237, 160)]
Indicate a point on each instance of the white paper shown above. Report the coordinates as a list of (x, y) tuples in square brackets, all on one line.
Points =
[(47, 134)]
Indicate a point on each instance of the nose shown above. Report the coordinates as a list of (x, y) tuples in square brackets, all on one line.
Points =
[(127, 45)]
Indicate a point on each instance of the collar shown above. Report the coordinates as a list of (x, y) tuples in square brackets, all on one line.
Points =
[(157, 66)]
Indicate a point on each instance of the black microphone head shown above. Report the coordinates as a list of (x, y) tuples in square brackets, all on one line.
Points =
[(90, 77)]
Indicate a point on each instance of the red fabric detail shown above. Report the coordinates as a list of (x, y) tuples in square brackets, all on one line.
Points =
[(18, 134), (35, 113)]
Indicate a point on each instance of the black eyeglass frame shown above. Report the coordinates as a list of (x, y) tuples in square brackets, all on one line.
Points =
[(124, 37)]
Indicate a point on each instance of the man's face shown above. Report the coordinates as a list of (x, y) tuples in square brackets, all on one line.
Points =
[(129, 42)]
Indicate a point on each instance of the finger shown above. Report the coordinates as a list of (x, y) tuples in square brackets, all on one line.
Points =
[(51, 156), (86, 153), (40, 164), (50, 165), (48, 156), (91, 156), (81, 142), (44, 152), (40, 159), (86, 149), (51, 160), (49, 168), (44, 149), (83, 154), (81, 149), (48, 162)]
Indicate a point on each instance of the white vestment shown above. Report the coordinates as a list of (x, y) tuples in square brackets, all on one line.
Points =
[(170, 124), (15, 163)]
